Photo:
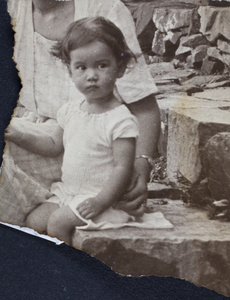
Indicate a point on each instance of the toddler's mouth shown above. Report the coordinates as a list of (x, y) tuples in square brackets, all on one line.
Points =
[(92, 88)]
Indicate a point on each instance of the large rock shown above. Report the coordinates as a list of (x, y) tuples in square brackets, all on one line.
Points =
[(199, 53), (195, 22), (145, 28), (190, 125), (173, 37), (194, 40), (216, 160), (196, 249), (214, 22), (158, 45), (182, 52), (211, 66), (215, 53), (169, 18), (223, 46), (196, 43), (223, 83)]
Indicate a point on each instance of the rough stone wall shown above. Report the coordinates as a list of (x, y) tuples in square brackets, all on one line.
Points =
[(190, 33)]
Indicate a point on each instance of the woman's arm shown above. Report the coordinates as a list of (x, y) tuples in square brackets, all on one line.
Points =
[(148, 116), (44, 139), (147, 113), (114, 188)]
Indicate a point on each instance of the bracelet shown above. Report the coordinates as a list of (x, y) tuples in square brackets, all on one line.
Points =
[(148, 158)]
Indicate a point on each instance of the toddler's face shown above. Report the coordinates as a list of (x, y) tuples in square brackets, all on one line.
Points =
[(94, 70)]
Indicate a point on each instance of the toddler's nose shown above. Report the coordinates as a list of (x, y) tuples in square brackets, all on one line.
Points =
[(92, 75)]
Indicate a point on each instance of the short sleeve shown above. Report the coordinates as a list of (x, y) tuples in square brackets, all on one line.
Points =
[(127, 128), (64, 114), (121, 123)]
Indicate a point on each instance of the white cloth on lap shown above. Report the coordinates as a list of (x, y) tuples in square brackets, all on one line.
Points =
[(154, 220)]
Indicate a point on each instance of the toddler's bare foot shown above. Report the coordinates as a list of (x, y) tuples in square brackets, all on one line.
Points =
[(91, 208)]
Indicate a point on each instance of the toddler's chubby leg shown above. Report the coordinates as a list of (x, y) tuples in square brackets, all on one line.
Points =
[(62, 222), (38, 218)]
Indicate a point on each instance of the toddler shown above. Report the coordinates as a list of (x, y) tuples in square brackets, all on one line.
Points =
[(98, 134)]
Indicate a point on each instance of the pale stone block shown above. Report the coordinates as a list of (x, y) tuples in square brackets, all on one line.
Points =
[(188, 131), (158, 45), (167, 19), (216, 161), (215, 53), (199, 53), (214, 22), (223, 46), (194, 40)]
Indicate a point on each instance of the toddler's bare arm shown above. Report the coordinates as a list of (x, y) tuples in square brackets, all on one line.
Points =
[(115, 187)]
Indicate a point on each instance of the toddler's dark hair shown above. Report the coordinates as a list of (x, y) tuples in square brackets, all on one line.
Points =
[(88, 30)]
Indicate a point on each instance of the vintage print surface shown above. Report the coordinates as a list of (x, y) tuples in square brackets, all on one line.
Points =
[(120, 142)]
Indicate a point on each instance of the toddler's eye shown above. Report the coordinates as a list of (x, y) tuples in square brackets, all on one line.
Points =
[(81, 68), (102, 66)]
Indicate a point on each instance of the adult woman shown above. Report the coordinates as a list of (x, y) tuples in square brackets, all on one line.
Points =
[(26, 176)]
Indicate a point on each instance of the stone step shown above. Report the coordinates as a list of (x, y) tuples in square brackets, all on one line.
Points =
[(191, 121), (196, 249), (161, 190)]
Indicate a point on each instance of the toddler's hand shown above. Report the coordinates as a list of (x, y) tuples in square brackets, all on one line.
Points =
[(90, 208), (135, 198)]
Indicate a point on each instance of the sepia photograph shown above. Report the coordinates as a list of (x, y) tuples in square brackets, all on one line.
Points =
[(119, 144)]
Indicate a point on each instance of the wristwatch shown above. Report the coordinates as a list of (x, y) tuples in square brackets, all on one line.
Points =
[(148, 158)]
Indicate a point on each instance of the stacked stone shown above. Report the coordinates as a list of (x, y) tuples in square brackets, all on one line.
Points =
[(195, 37), (174, 25), (215, 24)]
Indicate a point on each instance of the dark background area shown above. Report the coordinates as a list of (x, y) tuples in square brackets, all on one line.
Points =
[(32, 268)]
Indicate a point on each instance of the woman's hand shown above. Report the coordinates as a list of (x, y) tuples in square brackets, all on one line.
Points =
[(134, 200), (12, 132), (44, 138)]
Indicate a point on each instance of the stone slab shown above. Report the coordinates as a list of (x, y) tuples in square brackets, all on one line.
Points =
[(214, 98), (162, 190), (194, 40), (158, 44), (189, 3), (167, 19), (214, 85), (211, 66), (216, 160), (202, 80), (166, 70), (196, 249), (218, 26), (215, 53), (173, 37), (182, 50), (199, 53), (220, 94), (190, 122), (188, 131), (223, 46)]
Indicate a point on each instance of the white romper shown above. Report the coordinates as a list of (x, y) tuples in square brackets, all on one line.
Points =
[(88, 158)]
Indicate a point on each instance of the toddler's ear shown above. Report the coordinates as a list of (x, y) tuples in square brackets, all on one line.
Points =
[(69, 71), (121, 70)]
